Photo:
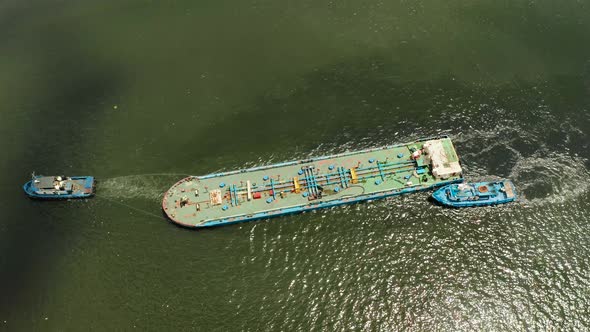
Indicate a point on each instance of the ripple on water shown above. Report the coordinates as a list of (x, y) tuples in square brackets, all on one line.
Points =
[(383, 265), (405, 264)]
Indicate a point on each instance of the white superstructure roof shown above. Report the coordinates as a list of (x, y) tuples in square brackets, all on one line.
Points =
[(443, 164)]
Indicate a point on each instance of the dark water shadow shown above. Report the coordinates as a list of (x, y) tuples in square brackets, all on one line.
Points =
[(553, 32), (63, 106), (361, 98)]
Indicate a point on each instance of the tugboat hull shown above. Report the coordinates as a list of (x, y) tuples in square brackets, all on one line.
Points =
[(57, 187), (476, 194)]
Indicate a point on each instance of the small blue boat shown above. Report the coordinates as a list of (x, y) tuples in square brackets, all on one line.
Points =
[(476, 194), (59, 187)]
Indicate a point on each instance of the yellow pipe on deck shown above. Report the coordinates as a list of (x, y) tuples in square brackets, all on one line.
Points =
[(296, 185), (353, 176)]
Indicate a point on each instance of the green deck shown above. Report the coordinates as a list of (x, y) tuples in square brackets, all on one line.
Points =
[(322, 182)]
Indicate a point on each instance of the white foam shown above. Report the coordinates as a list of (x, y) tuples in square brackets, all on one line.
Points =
[(141, 186), (565, 175), (562, 174)]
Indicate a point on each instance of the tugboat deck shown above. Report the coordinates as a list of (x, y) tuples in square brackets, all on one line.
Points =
[(476, 194), (59, 187), (262, 192)]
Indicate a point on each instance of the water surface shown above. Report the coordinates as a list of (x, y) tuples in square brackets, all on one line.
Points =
[(141, 93)]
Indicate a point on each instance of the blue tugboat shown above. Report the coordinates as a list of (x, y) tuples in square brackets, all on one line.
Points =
[(59, 187), (476, 194)]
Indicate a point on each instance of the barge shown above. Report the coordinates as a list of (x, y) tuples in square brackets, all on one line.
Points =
[(311, 184)]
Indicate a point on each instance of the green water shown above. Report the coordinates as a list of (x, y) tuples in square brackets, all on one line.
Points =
[(141, 93)]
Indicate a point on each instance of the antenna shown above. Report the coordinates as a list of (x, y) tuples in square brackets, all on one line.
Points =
[(34, 177)]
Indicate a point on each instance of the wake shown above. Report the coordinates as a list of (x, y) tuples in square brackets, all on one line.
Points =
[(149, 187)]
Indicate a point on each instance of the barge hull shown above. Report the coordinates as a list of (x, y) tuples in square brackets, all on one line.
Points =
[(311, 184)]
